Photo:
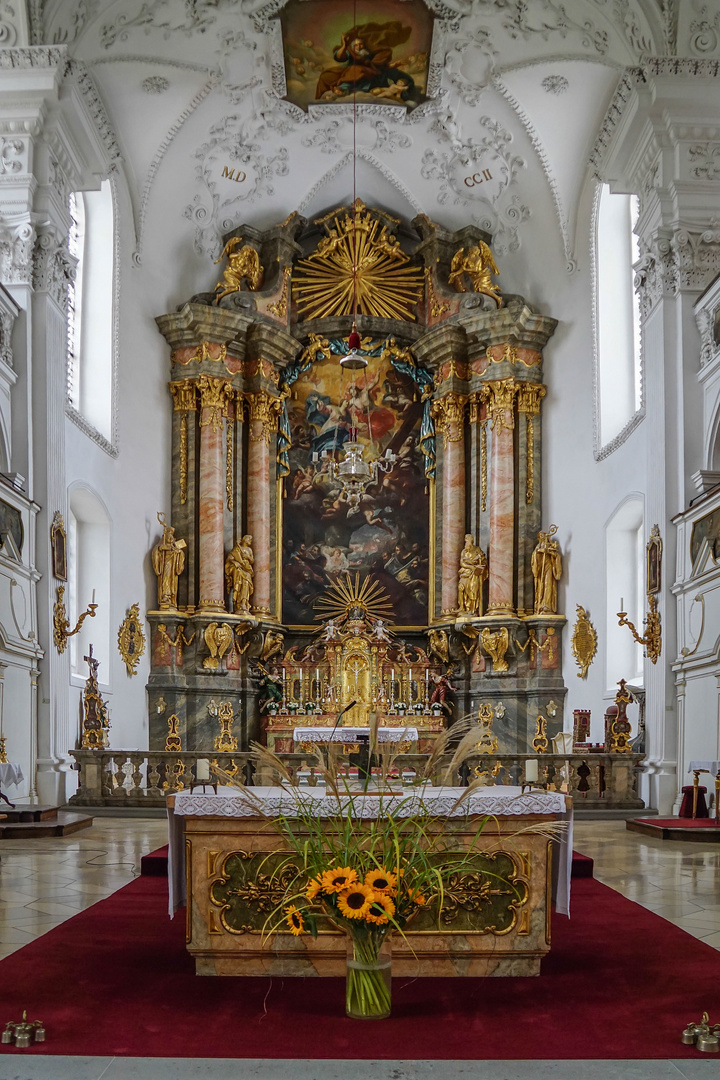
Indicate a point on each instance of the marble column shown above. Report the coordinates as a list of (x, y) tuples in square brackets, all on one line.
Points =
[(214, 395), (449, 414), (529, 396), (262, 424), (501, 402)]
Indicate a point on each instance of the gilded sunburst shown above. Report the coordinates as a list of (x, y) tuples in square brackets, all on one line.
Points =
[(349, 598), (358, 268)]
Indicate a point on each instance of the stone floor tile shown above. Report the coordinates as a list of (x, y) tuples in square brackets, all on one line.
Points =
[(23, 1066), (53, 908)]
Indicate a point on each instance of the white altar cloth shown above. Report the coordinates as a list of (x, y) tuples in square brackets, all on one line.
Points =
[(351, 734), (705, 766), (10, 774), (497, 801)]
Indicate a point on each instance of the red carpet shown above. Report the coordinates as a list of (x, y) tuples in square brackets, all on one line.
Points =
[(116, 980), (680, 822)]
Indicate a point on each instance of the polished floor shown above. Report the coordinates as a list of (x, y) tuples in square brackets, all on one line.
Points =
[(44, 882)]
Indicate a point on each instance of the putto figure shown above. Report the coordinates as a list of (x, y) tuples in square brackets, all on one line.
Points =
[(472, 574), (168, 560), (239, 575), (546, 565)]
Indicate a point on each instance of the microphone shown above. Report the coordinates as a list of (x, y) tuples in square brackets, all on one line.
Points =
[(339, 717)]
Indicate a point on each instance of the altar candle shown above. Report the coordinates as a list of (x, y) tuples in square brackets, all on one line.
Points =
[(622, 604), (531, 771), (93, 597), (202, 770)]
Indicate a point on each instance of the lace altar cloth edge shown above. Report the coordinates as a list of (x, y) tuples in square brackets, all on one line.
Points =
[(351, 734), (269, 801)]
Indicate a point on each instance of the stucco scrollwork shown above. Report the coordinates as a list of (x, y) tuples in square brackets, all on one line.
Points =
[(54, 267), (17, 241)]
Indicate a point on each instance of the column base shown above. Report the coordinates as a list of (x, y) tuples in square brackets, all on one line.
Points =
[(212, 605), (499, 611)]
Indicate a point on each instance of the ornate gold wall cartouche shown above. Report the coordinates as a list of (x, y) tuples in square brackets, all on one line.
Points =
[(358, 268), (131, 639), (584, 641)]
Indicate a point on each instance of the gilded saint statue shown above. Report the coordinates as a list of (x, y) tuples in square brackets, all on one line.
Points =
[(479, 265), (239, 575), (472, 574), (168, 560), (546, 564), (242, 265)]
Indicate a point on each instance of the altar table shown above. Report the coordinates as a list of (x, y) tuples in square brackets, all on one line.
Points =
[(352, 734), (221, 849)]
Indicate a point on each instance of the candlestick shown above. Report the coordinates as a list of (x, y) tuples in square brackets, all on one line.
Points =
[(531, 771)]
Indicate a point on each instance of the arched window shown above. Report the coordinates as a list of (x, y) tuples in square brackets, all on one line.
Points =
[(90, 314), (617, 330), (625, 590), (88, 572)]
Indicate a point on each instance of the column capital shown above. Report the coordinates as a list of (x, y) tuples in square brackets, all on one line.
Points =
[(529, 396), (449, 413), (184, 395), (214, 397), (263, 412), (500, 398)]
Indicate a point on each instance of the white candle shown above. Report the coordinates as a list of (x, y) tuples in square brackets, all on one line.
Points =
[(531, 771), (202, 770), (622, 604), (93, 597)]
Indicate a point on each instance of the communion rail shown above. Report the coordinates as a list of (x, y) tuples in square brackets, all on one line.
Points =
[(146, 777)]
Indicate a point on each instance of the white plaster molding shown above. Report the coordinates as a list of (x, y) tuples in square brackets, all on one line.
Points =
[(148, 61), (92, 433), (84, 80), (9, 311), (37, 56), (17, 242), (75, 22), (346, 160), (54, 268)]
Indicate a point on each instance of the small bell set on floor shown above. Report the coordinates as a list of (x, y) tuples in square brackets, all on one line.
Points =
[(702, 1035), (23, 1032)]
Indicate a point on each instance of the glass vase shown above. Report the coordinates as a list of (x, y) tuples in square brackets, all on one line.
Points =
[(368, 985)]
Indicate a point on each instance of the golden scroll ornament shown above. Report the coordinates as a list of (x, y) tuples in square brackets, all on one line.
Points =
[(435, 306), (540, 739), (651, 640), (280, 307), (218, 638), (61, 623), (495, 643), (358, 268), (583, 642), (131, 639), (173, 742), (225, 740), (529, 397)]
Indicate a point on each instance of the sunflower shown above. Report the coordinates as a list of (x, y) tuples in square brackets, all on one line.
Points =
[(341, 877), (354, 903), (295, 921), (315, 886), (418, 898), (380, 881), (381, 909)]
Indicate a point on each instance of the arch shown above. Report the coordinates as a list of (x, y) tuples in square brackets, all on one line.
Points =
[(89, 553), (625, 588)]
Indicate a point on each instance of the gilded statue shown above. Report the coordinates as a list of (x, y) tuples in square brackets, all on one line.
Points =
[(239, 575), (243, 265), (495, 643), (439, 645), (546, 565), (218, 638), (272, 644), (168, 560), (478, 263), (472, 574)]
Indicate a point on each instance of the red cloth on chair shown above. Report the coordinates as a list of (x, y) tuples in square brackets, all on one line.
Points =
[(686, 809)]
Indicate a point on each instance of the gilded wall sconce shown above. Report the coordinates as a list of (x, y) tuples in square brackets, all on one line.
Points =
[(61, 623), (651, 640)]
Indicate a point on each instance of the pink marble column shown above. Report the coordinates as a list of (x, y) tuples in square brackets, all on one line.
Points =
[(214, 394), (449, 412), (501, 403), (262, 423)]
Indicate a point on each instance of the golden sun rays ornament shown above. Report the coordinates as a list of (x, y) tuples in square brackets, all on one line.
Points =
[(358, 268), (349, 598)]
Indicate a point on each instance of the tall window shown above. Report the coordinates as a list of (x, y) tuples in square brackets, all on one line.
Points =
[(625, 582), (618, 313), (88, 571), (90, 314)]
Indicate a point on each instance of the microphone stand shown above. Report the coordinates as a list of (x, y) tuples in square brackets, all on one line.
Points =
[(339, 718)]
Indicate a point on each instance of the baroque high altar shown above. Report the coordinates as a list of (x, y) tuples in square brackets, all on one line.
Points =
[(347, 533)]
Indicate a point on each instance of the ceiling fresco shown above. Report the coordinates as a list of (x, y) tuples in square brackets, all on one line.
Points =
[(243, 111)]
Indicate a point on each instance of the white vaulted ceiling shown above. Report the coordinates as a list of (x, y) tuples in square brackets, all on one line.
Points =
[(188, 86)]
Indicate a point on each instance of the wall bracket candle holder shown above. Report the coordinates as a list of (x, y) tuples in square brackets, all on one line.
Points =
[(651, 640), (61, 623)]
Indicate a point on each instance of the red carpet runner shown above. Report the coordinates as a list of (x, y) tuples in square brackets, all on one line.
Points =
[(116, 980)]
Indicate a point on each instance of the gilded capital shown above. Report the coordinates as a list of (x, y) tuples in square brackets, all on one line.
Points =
[(529, 397), (263, 412), (448, 412), (501, 401), (214, 397), (183, 395)]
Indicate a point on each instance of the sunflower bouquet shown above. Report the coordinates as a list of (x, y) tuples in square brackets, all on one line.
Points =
[(367, 904)]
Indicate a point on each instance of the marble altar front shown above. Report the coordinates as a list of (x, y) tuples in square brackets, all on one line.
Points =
[(495, 920)]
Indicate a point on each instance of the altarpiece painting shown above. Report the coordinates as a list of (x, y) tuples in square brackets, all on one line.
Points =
[(388, 537), (370, 52)]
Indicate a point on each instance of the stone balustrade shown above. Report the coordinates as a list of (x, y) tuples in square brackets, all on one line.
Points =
[(145, 777)]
